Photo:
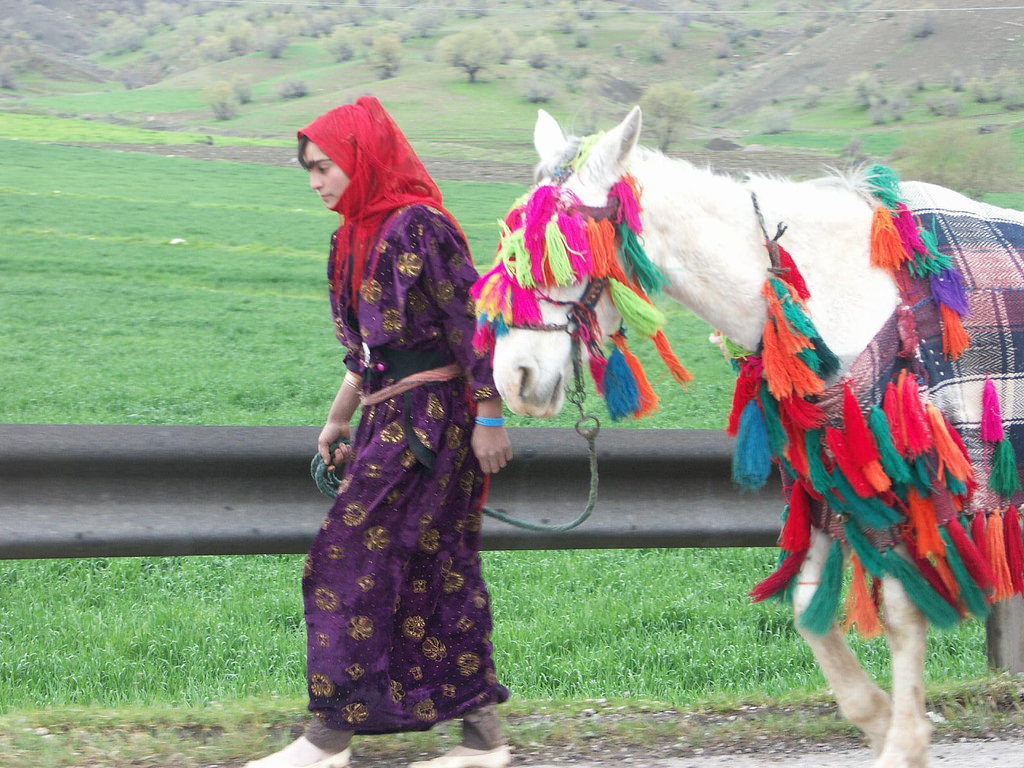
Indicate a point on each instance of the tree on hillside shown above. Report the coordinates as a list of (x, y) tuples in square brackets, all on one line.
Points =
[(387, 55), (470, 51), (540, 52), (341, 44), (222, 100), (667, 108)]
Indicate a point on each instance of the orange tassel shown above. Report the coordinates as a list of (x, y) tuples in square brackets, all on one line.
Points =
[(787, 375), (599, 254), (647, 396), (997, 557), (876, 475), (950, 455), (861, 609), (925, 524), (679, 371), (887, 250), (946, 575), (955, 340)]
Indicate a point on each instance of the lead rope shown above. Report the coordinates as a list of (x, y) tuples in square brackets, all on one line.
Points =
[(587, 426)]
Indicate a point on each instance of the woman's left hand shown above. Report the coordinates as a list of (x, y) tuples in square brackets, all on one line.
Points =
[(492, 448)]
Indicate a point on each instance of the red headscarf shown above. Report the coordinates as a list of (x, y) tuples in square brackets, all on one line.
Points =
[(385, 174)]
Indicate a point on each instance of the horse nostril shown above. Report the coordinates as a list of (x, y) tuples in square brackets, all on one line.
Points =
[(525, 380)]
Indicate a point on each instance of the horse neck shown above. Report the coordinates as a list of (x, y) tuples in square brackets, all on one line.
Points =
[(701, 229)]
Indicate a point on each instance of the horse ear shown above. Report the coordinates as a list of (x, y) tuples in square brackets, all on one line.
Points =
[(610, 155), (548, 138)]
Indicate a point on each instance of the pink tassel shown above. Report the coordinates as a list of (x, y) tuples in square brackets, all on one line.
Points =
[(629, 205), (574, 228), (525, 307), (483, 337), (542, 205), (906, 225), (598, 366), (991, 414)]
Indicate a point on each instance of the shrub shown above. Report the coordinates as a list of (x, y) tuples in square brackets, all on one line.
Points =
[(775, 120), (221, 99), (471, 51), (242, 89), (387, 55), (293, 89), (540, 52), (340, 44), (668, 108), (537, 91)]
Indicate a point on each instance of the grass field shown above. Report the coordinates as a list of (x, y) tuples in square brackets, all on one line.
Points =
[(108, 322)]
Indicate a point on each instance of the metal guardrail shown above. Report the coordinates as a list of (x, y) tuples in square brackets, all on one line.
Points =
[(120, 491)]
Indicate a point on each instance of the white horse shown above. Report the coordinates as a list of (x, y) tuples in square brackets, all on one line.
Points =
[(701, 231)]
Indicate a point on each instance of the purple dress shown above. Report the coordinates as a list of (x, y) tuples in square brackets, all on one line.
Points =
[(397, 612)]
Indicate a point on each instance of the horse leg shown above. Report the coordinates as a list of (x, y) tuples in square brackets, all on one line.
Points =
[(907, 633), (860, 700)]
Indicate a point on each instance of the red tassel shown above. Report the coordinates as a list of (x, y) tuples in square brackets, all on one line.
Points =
[(893, 414), (1014, 548), (803, 414), (974, 559), (793, 277), (955, 340), (997, 557), (919, 437), (861, 608), (860, 443), (678, 370), (980, 537), (748, 385), (796, 535), (779, 580), (927, 569), (906, 326), (853, 473)]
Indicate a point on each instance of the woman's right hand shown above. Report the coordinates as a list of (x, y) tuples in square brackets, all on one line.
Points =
[(339, 432)]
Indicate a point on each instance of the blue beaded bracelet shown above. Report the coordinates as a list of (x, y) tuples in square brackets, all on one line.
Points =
[(490, 421)]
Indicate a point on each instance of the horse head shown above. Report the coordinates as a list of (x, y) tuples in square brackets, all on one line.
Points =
[(570, 274)]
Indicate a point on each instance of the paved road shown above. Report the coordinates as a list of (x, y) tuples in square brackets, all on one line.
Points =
[(967, 754)]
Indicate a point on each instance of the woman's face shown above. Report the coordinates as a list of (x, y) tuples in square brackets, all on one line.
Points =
[(325, 176)]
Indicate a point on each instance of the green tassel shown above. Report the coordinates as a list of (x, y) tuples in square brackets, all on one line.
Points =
[(558, 256), (936, 610), (640, 267), (777, 437), (870, 512), (1004, 479), (821, 479), (885, 185), (971, 594), (820, 614), (955, 485), (638, 315), (829, 361), (893, 464), (517, 258), (734, 350), (868, 553), (919, 476)]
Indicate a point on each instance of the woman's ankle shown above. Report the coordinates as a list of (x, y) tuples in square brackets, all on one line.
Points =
[(322, 736), (481, 729)]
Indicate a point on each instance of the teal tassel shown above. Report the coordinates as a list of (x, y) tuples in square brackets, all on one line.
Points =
[(936, 610), (955, 485), (870, 512), (821, 479), (752, 459), (821, 612), (777, 437), (1004, 479), (893, 464), (868, 553), (919, 476), (885, 185), (638, 264), (971, 594), (829, 361), (621, 393)]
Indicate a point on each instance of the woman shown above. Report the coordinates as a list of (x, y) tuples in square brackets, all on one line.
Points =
[(397, 612)]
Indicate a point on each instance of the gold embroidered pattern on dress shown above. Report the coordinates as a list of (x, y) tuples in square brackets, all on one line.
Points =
[(454, 435), (419, 586), (474, 521), (408, 458), (416, 673), (485, 392), (307, 567), (366, 583), (426, 711), (355, 713), (456, 335), (335, 552), (371, 291), (323, 639), (321, 685), (377, 538), (479, 599), (465, 624), (417, 302), (434, 649), (326, 599), (360, 627), (410, 264), (434, 408), (392, 320), (423, 437), (355, 513), (469, 664), (397, 691), (448, 690), (456, 260), (453, 582), (445, 291), (392, 433), (355, 671), (345, 483), (394, 495), (414, 628), (466, 483), (373, 471), (430, 540)]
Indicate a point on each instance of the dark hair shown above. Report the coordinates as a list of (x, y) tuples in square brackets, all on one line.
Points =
[(303, 143)]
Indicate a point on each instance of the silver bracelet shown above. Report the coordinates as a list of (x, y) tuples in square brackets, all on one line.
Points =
[(354, 380)]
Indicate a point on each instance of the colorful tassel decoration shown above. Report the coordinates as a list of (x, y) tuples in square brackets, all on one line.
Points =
[(780, 580), (676, 368), (796, 534), (936, 610), (1014, 548), (887, 249), (971, 594), (996, 546), (861, 606), (991, 414), (955, 340), (647, 400), (752, 458), (820, 614), (621, 393)]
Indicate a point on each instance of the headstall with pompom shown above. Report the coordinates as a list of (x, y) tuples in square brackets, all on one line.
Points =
[(550, 239), (895, 471)]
